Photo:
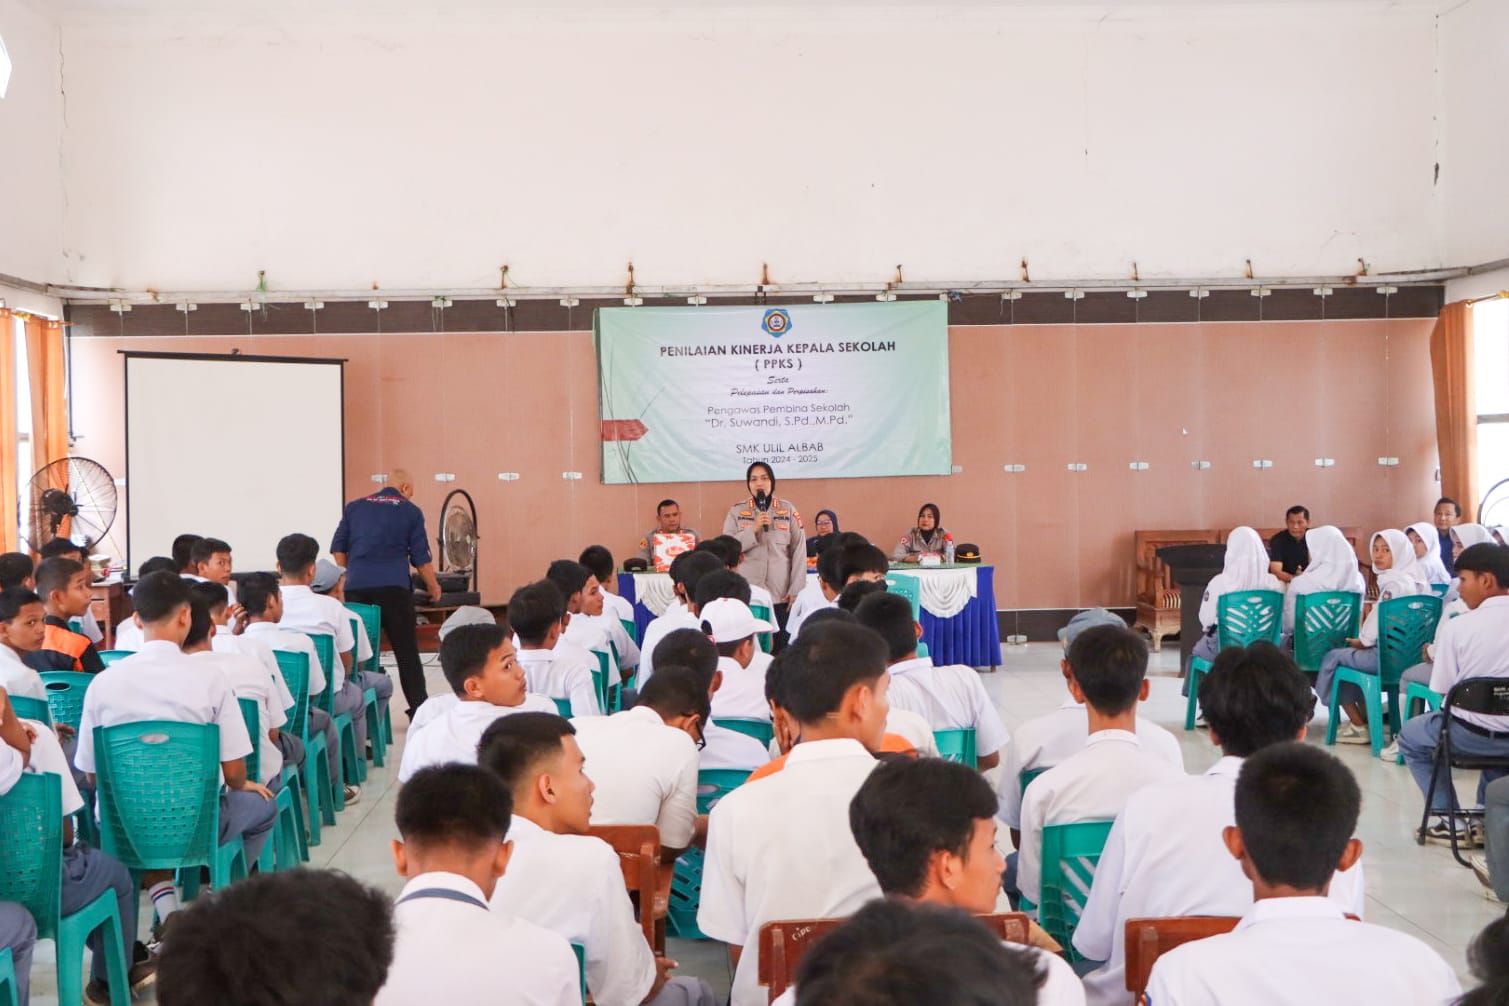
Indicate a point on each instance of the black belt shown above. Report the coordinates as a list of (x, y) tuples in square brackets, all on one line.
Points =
[(1480, 730)]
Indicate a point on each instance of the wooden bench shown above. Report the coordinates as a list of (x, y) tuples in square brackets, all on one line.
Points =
[(648, 881), (1149, 939)]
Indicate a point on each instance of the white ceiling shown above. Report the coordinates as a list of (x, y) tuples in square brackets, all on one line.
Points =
[(425, 7)]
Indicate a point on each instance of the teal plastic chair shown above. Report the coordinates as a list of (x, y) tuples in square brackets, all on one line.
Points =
[(319, 798), (563, 706), (31, 874), (65, 695), (285, 849), (686, 884), (371, 620), (9, 991), (1026, 777), (957, 746), (1070, 854), (600, 676), (761, 730), (353, 764), (630, 627), (31, 709), (368, 620), (1428, 700), (581, 967), (764, 613), (1243, 618), (111, 656), (1405, 625), (1322, 622), (159, 801), (1440, 589), (910, 588)]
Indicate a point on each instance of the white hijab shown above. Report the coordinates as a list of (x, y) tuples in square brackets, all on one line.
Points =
[(1435, 570), (1472, 534), (1406, 576), (1247, 563), (1333, 564)]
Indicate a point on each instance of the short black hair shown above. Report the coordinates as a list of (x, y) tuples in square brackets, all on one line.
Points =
[(251, 942), (726, 547), (823, 615), (200, 622), (15, 567), (454, 804), (853, 593), (895, 953), (890, 615), (1255, 696), (1297, 509), (204, 548), (159, 596), (721, 583), (688, 569), (1488, 960), (1454, 504), (183, 546), (1110, 664), (569, 577), (676, 691), (1486, 557), (156, 563), (534, 608), (599, 561), (214, 595), (13, 599), (513, 745), (296, 553), (60, 547), (909, 809), (663, 504), (464, 651), (687, 648), (827, 565), (1296, 807), (861, 557), (255, 590), (54, 574), (818, 669)]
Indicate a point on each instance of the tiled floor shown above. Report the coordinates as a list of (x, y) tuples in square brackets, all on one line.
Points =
[(1418, 890)]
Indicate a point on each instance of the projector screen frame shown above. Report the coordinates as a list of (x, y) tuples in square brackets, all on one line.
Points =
[(232, 357)]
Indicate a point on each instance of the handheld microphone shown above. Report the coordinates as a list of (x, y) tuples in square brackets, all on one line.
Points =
[(762, 500)]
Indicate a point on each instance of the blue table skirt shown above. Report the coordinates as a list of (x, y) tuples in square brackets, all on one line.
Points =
[(972, 637)]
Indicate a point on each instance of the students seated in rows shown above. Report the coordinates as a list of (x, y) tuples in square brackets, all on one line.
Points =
[(161, 682), (182, 554), (781, 847), (1333, 567), (128, 633), (1296, 809), (643, 761), (211, 559), (483, 670), (16, 569), (728, 548), (1399, 575), (1165, 855), (22, 629), (225, 638), (64, 586), (1108, 667), (821, 591), (726, 619), (63, 548), (949, 698), (1047, 740), (586, 629), (564, 879), (1246, 568), (686, 570), (1472, 645), (537, 615), (329, 580), (453, 822), (861, 560), (722, 748), (616, 611)]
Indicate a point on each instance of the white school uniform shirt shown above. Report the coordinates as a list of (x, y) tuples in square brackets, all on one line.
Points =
[(1166, 857), (573, 886), (224, 642), (1047, 740), (732, 750), (17, 678), (1092, 784), (161, 682), (1302, 951), (676, 616), (1474, 645), (46, 756), (453, 735), (949, 698), (433, 708), (562, 674), (280, 639), (128, 635), (306, 611), (741, 695), (816, 601), (781, 848), (11, 765), (905, 723), (616, 606), (249, 680), (645, 772), (607, 631), (1062, 987), (759, 595), (457, 951)]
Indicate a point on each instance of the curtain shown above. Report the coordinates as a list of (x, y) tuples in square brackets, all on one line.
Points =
[(49, 410), (8, 459), (1456, 406)]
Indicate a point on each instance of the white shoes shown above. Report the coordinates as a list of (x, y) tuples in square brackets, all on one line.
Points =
[(1390, 753), (1349, 733)]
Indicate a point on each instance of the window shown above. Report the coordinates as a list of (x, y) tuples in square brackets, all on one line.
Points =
[(1490, 364)]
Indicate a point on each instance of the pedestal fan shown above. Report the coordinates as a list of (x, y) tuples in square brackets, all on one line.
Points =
[(456, 567), (73, 498)]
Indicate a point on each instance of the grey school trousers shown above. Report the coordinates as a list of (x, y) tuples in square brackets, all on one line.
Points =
[(18, 931), (683, 990), (249, 815), (1496, 834)]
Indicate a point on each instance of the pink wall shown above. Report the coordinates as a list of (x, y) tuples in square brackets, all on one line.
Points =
[(1042, 396)]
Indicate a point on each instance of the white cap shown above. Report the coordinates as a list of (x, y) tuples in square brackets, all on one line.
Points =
[(728, 620)]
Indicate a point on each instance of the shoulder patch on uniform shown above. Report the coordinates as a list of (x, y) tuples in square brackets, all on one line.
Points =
[(644, 543), (746, 513)]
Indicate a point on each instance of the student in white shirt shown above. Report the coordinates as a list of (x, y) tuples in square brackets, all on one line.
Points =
[(450, 947), (1472, 645), (22, 629), (1109, 667), (643, 761), (562, 878), (128, 635), (537, 614), (781, 847), (616, 611), (732, 552), (732, 627), (587, 627), (330, 581), (211, 558), (248, 680), (821, 592), (723, 748), (686, 569), (160, 682), (1296, 809), (949, 698), (483, 671), (1165, 855)]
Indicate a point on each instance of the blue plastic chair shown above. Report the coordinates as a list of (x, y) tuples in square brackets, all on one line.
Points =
[(1405, 625), (1070, 854), (159, 801), (1243, 618), (761, 730), (65, 695), (111, 656), (686, 885), (909, 587), (1322, 622), (31, 874), (285, 848), (353, 765), (957, 746), (316, 782), (9, 991), (31, 709)]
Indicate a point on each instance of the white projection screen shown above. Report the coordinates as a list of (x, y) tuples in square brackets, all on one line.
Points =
[(244, 448)]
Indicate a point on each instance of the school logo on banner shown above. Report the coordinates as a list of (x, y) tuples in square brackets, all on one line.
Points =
[(777, 322)]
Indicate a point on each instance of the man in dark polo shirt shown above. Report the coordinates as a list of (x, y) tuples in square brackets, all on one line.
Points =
[(1448, 514), (378, 539), (1287, 552)]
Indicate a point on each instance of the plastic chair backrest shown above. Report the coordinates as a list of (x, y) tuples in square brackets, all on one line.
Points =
[(563, 706), (630, 628), (761, 730), (1027, 775), (31, 849), (713, 784), (1324, 621), (909, 588), (1440, 589), (1405, 625), (1070, 855), (957, 746), (600, 678), (253, 720), (295, 668), (371, 619), (65, 695), (1149, 939), (1247, 616), (31, 709), (581, 967), (159, 792), (324, 648), (111, 656)]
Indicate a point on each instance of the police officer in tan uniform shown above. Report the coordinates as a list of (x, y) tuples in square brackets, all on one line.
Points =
[(775, 543)]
